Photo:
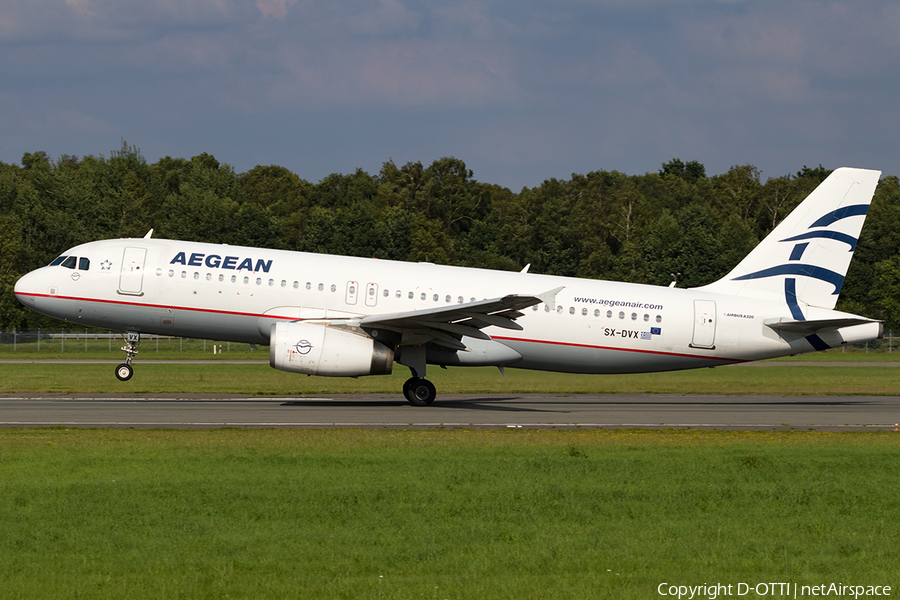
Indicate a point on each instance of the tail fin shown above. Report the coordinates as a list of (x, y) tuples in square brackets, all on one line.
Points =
[(805, 259)]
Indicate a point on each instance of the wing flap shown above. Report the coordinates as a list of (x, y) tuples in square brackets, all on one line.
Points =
[(446, 325)]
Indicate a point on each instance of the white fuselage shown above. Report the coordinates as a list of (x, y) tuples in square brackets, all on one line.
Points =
[(236, 293)]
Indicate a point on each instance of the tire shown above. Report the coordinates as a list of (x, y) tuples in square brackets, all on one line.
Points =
[(420, 392), (124, 372)]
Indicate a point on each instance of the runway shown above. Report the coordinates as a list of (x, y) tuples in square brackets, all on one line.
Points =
[(454, 411)]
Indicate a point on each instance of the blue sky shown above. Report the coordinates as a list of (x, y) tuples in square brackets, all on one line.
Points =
[(522, 91)]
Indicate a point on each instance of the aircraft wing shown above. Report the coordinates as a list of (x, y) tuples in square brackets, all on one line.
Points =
[(446, 325), (816, 326)]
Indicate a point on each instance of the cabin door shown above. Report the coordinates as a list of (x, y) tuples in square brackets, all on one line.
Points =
[(131, 277), (704, 324)]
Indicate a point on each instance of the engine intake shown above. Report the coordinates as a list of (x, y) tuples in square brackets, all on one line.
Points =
[(329, 350)]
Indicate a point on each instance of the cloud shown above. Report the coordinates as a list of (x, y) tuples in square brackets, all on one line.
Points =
[(110, 20), (76, 121), (277, 9), (408, 73), (388, 18), (528, 89)]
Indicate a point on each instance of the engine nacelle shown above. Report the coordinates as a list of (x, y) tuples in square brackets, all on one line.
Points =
[(329, 350)]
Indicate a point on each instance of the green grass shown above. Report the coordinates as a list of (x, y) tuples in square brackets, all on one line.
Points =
[(427, 514), (261, 379), (193, 350), (88, 347)]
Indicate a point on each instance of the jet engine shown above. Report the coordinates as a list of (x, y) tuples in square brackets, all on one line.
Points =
[(327, 349)]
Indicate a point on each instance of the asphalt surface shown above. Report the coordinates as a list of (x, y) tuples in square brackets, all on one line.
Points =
[(454, 411)]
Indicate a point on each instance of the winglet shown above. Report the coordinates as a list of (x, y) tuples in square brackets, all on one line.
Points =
[(549, 297)]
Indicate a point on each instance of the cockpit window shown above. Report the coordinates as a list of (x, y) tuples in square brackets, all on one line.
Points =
[(70, 261), (84, 263), (57, 260)]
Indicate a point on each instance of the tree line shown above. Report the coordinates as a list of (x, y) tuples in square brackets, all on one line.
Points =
[(678, 223)]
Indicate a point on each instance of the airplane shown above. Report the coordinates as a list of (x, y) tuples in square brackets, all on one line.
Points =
[(344, 316)]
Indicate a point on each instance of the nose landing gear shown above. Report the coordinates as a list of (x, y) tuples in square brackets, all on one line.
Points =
[(124, 371)]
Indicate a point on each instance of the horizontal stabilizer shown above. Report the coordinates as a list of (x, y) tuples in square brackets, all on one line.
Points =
[(809, 327)]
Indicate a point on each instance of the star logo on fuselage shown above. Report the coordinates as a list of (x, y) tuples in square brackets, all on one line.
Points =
[(105, 265)]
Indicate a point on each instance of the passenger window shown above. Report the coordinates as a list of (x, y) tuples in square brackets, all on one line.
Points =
[(69, 263), (84, 264), (57, 260)]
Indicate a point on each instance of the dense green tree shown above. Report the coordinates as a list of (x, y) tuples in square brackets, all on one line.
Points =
[(604, 224)]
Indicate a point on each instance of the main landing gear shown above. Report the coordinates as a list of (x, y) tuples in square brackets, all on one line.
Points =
[(419, 392), (124, 371)]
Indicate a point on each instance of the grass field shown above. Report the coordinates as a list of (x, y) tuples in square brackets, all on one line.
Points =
[(422, 514), (261, 379), (88, 347)]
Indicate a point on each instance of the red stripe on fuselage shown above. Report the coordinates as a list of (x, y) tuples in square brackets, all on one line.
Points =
[(496, 337)]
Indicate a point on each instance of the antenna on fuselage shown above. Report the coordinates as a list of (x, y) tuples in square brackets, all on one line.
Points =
[(149, 234)]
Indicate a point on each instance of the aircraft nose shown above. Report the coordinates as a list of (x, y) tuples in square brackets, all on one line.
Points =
[(25, 289)]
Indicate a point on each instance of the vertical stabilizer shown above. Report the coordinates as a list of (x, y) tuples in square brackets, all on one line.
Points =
[(805, 259)]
